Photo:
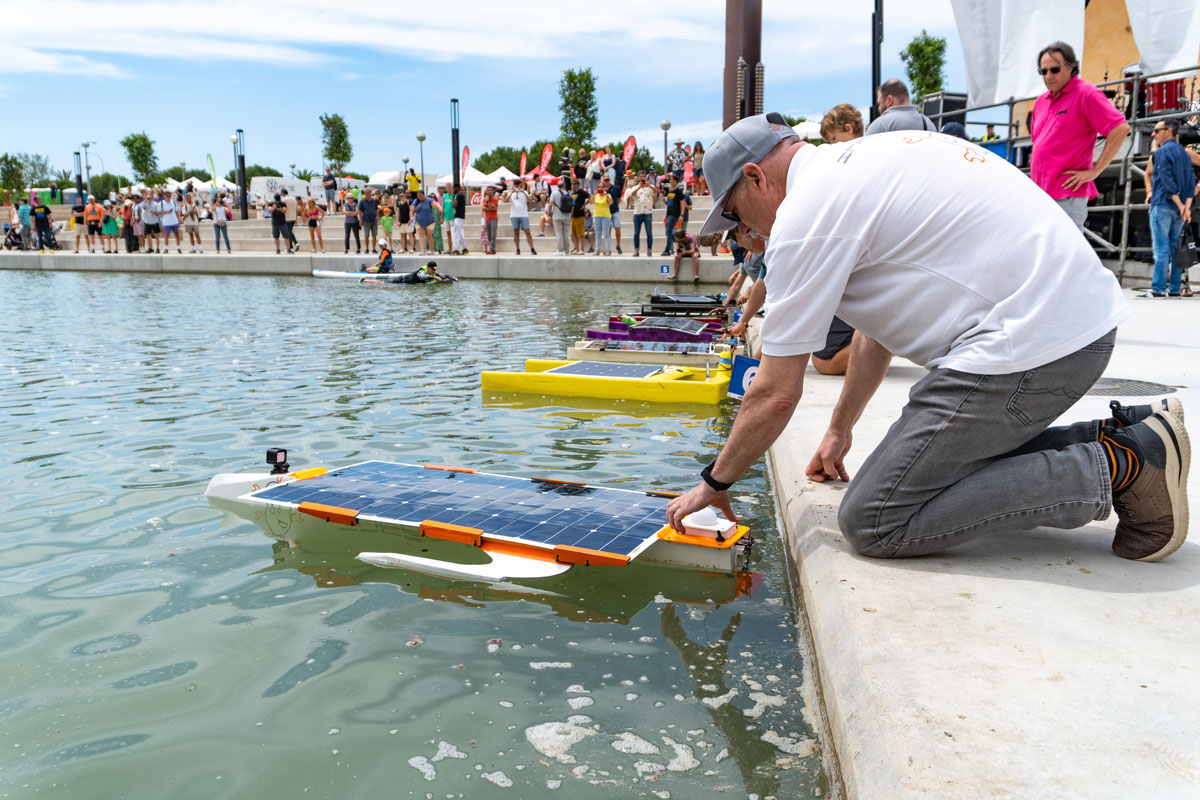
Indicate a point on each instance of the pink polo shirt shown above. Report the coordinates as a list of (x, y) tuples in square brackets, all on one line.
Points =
[(1064, 131)]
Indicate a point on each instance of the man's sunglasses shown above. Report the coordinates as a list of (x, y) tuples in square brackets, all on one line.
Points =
[(1055, 70)]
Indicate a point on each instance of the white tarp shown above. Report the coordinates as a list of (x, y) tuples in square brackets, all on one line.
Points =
[(386, 178), (1167, 33), (1001, 40), (808, 129)]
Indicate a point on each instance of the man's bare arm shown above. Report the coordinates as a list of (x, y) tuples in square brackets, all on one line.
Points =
[(1112, 143), (766, 409), (869, 362)]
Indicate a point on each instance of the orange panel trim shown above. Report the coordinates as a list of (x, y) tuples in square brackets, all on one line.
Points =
[(669, 534), (452, 533), (342, 516), (555, 480), (518, 549), (311, 472), (582, 555), (444, 468), (655, 493)]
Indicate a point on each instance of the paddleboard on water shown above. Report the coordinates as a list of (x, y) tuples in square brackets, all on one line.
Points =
[(359, 275)]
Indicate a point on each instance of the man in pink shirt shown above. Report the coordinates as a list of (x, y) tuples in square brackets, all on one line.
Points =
[(1066, 121)]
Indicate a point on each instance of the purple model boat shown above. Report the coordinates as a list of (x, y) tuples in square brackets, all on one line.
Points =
[(659, 329)]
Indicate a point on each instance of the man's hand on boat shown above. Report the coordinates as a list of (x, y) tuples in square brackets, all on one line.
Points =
[(701, 496)]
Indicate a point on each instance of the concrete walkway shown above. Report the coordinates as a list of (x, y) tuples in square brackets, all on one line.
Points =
[(1025, 665), (607, 269)]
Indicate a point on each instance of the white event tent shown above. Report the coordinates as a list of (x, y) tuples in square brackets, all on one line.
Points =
[(502, 172), (472, 177)]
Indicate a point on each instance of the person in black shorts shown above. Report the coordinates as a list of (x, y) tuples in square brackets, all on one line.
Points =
[(836, 355), (408, 235)]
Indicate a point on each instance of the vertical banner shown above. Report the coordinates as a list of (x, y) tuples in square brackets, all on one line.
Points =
[(687, 174), (547, 151), (212, 169), (628, 151), (466, 159), (521, 171)]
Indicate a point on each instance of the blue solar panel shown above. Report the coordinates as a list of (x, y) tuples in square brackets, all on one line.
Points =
[(605, 369), (542, 512)]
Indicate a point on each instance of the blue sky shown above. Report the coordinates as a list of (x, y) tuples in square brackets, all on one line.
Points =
[(188, 74)]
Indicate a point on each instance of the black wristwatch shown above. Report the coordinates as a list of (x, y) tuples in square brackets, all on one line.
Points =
[(716, 485)]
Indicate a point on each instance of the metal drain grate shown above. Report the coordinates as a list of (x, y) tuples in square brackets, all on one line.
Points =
[(1128, 387)]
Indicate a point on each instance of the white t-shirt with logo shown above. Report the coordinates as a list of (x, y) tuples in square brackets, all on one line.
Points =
[(943, 252), (518, 204)]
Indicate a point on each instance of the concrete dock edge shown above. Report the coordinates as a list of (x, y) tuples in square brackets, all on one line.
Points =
[(1024, 664)]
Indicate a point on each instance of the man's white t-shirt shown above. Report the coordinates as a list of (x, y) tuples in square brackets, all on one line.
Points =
[(518, 204), (166, 211), (943, 252)]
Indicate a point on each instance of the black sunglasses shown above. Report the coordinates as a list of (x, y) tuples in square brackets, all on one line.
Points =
[(1044, 70)]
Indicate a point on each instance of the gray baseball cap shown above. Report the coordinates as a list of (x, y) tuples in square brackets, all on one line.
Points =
[(746, 141)]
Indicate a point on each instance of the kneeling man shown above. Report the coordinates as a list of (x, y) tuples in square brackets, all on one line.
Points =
[(942, 253)]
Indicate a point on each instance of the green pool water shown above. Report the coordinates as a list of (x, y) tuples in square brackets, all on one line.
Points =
[(154, 646)]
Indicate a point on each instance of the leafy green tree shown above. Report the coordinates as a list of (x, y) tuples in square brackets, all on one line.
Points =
[(348, 174), (577, 90), (178, 173), (36, 169), (335, 140), (139, 152), (12, 173), (253, 171), (106, 182), (499, 157), (925, 65), (793, 121)]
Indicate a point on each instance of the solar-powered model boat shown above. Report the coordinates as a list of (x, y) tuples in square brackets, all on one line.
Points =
[(613, 380), (679, 354), (658, 329), (480, 526)]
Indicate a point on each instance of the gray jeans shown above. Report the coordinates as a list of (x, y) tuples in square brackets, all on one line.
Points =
[(1076, 208), (971, 455), (562, 234), (491, 227)]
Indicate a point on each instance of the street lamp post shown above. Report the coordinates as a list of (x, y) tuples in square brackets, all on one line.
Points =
[(87, 169), (292, 167), (666, 126), (239, 164), (78, 175), (404, 172), (421, 139)]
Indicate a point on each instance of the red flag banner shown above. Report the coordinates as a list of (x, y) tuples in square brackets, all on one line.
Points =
[(687, 173), (630, 147), (466, 159), (521, 171), (547, 151)]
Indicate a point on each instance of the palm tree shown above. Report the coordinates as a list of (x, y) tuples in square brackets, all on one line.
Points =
[(305, 174), (64, 176)]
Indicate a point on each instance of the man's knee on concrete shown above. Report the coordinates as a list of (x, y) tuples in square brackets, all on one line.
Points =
[(858, 526)]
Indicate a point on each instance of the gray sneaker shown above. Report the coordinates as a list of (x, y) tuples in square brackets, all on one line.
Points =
[(1132, 415), (1152, 510)]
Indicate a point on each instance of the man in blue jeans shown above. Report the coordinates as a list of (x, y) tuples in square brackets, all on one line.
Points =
[(1170, 185), (1012, 329)]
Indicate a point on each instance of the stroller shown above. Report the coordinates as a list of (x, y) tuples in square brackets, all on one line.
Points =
[(12, 240)]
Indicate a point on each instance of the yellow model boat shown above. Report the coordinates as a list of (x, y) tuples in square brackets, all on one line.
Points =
[(614, 380)]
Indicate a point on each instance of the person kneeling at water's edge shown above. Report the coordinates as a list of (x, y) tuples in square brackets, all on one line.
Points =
[(1013, 331)]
